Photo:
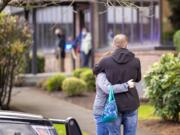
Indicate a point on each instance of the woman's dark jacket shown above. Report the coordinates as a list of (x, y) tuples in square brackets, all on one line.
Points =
[(62, 45), (120, 67)]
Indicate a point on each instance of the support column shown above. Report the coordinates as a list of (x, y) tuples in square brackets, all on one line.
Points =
[(92, 34), (26, 16), (34, 46), (152, 21), (76, 22), (74, 35), (138, 26), (114, 17), (141, 25), (123, 30), (161, 22), (94, 29), (96, 25), (132, 25), (103, 26)]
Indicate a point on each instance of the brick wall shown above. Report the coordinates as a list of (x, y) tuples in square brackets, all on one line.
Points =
[(147, 58)]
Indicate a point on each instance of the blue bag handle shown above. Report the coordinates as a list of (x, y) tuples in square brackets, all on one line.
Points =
[(111, 93)]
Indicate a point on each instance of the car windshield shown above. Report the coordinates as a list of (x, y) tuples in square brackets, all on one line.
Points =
[(25, 129), (16, 129), (44, 130)]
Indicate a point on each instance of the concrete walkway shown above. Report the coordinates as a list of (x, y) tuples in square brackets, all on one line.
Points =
[(32, 100)]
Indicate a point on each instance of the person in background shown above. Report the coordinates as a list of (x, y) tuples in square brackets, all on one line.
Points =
[(85, 46), (61, 44), (110, 36), (72, 51)]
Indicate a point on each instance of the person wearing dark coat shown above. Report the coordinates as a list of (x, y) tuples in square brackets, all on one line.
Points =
[(119, 67), (61, 44)]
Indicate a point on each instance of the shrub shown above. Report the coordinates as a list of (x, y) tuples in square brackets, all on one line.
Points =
[(89, 78), (41, 84), (168, 38), (177, 40), (54, 83), (163, 85), (175, 10), (19, 81), (74, 86), (40, 63), (15, 38), (77, 73)]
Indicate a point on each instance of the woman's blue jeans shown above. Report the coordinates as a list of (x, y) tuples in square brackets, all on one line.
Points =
[(85, 59), (129, 121), (101, 127)]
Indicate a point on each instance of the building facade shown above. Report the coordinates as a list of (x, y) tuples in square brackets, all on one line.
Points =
[(141, 23), (141, 20)]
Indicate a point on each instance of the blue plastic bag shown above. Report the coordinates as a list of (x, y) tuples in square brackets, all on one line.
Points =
[(110, 112)]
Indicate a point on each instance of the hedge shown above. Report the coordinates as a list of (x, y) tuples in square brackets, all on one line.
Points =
[(73, 86), (54, 83), (163, 86)]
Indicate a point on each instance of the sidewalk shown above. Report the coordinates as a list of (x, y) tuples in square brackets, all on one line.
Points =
[(31, 100)]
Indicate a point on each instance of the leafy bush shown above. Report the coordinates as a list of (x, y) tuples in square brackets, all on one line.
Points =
[(54, 83), (163, 85), (89, 78), (77, 73), (168, 38), (41, 84), (177, 40), (15, 39), (19, 81), (73, 86), (40, 63), (175, 10)]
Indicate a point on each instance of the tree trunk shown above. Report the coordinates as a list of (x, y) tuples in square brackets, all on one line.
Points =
[(4, 4), (176, 117)]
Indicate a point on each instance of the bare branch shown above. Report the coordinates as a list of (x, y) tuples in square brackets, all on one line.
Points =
[(45, 3), (3, 4)]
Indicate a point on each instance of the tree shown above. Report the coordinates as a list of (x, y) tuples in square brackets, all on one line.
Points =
[(3, 4), (15, 38), (44, 3), (175, 17)]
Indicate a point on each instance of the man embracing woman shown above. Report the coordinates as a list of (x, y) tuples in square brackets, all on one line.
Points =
[(120, 70)]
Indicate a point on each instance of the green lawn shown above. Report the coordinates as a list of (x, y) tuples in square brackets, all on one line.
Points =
[(61, 129), (146, 112)]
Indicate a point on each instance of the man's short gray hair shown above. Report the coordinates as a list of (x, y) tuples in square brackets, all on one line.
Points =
[(120, 41)]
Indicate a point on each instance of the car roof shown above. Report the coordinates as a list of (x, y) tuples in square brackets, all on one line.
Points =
[(24, 117), (19, 115)]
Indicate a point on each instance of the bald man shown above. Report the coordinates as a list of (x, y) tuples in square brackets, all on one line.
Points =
[(119, 67)]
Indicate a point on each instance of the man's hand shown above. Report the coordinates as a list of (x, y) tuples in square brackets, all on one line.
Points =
[(131, 83)]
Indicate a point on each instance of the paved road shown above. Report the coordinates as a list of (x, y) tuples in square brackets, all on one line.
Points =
[(31, 100)]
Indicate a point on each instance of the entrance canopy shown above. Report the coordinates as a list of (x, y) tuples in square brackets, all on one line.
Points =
[(54, 2), (44, 2)]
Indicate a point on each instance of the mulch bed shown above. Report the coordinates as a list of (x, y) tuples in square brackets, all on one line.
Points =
[(161, 127)]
